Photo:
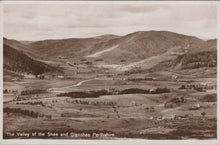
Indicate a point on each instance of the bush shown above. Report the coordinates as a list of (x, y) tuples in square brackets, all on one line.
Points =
[(210, 98), (182, 87)]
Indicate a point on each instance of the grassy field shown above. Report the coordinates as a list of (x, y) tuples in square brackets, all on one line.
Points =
[(127, 115)]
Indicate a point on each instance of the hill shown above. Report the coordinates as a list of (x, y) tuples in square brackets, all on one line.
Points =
[(144, 49), (202, 55), (141, 45), (57, 48), (16, 61)]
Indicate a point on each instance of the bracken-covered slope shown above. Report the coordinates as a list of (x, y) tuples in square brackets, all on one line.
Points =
[(202, 55), (16, 61)]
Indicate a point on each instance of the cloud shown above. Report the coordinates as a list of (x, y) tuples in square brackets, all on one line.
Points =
[(37, 22)]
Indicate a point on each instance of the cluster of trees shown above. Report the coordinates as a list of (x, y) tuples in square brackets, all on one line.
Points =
[(182, 87), (96, 94), (25, 112), (93, 94), (143, 91), (30, 92), (32, 103), (5, 91), (195, 87), (86, 102), (141, 79), (150, 109), (134, 91), (200, 89)]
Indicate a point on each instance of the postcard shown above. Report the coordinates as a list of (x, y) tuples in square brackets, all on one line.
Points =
[(110, 72)]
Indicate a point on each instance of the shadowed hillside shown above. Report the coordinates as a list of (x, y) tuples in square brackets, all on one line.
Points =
[(202, 55), (17, 61)]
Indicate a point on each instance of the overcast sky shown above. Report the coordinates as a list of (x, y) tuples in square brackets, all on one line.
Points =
[(38, 22)]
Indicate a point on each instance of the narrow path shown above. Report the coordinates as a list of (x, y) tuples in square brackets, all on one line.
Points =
[(59, 90)]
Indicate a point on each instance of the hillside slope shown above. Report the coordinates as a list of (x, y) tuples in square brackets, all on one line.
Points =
[(17, 61), (57, 48), (202, 55), (141, 45), (144, 49)]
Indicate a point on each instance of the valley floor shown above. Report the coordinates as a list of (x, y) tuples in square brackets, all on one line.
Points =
[(184, 113)]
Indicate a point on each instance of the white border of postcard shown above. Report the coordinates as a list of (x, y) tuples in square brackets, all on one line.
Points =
[(120, 141)]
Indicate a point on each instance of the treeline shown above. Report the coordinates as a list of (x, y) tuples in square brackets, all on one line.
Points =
[(25, 112), (140, 79), (96, 94), (5, 91), (30, 92), (93, 94), (31, 103), (142, 91)]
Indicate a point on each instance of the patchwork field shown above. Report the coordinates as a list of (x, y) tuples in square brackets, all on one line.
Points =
[(177, 114)]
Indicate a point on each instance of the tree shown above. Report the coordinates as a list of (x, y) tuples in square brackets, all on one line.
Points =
[(203, 114), (182, 87), (5, 91), (152, 108)]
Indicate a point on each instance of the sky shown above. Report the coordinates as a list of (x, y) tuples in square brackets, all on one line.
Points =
[(55, 21)]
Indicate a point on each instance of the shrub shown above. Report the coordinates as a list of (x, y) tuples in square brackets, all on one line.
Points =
[(210, 98), (203, 114)]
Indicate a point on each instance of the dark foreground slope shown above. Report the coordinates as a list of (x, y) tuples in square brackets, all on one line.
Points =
[(16, 61)]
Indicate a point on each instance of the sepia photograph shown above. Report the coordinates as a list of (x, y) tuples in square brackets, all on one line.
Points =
[(109, 71)]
